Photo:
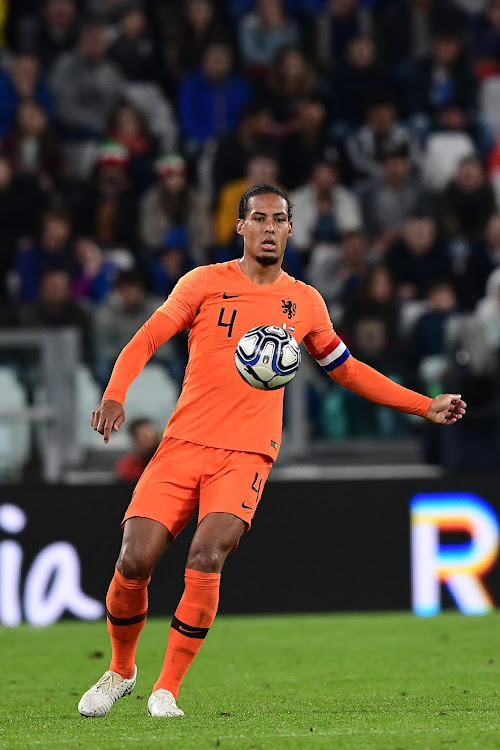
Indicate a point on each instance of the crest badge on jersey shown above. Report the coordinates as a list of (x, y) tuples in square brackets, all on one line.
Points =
[(289, 307)]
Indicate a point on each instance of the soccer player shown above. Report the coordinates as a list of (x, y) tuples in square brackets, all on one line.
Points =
[(221, 441)]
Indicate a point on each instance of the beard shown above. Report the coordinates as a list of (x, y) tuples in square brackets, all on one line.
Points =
[(267, 260)]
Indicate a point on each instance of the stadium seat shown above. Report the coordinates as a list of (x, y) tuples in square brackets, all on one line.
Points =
[(411, 311), (15, 443), (152, 395)]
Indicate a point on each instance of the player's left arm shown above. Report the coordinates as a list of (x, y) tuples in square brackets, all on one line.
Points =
[(362, 379), (333, 355)]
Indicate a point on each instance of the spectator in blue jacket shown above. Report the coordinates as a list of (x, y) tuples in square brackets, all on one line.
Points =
[(211, 99), (20, 82)]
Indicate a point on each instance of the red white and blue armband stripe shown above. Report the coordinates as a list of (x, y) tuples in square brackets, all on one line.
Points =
[(334, 355)]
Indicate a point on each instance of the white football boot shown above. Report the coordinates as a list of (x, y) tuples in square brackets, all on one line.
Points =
[(99, 699), (162, 703)]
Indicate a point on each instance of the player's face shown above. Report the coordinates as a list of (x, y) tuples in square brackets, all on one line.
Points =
[(266, 228)]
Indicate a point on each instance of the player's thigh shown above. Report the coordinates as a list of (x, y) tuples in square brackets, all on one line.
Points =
[(168, 490), (235, 485)]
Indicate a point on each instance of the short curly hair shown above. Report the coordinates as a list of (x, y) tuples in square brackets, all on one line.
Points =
[(262, 188)]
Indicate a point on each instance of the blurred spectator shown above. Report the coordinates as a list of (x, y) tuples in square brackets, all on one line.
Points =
[(445, 76), (145, 438), (86, 86), (21, 204), (390, 200), (416, 260), (94, 276), (172, 202), (260, 168), (108, 205), (252, 134), (21, 81), (129, 127), (488, 312), (304, 147), (56, 31), (337, 272), (323, 209), (263, 32), (172, 261), (381, 133), (56, 308), (290, 81), (212, 98), (467, 203), (485, 40), (119, 318), (445, 147), (374, 297), (357, 82), (428, 338), (133, 50), (52, 252), (31, 145), (340, 21), (199, 26), (405, 29)]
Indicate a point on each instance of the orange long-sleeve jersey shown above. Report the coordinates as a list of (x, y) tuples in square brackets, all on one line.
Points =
[(218, 304)]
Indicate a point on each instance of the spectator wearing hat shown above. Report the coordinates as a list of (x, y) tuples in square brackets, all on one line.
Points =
[(129, 126), (170, 202), (108, 207), (211, 99)]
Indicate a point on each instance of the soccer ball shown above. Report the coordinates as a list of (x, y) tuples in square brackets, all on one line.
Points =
[(267, 357)]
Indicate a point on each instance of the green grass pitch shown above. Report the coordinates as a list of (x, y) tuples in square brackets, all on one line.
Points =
[(356, 682)]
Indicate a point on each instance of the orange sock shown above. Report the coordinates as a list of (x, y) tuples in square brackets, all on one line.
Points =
[(190, 624), (126, 609)]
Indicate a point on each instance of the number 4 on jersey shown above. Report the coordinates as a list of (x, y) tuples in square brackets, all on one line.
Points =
[(229, 325)]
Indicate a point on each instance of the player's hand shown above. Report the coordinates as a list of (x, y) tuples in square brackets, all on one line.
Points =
[(446, 409), (107, 416)]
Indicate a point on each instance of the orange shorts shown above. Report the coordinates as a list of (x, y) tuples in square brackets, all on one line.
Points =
[(183, 477)]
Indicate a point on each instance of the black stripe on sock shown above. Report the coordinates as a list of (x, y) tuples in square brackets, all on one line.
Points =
[(188, 630), (125, 620)]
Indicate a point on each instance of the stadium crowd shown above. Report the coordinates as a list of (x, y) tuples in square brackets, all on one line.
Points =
[(129, 131)]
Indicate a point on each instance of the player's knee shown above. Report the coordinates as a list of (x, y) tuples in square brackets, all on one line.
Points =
[(134, 567), (206, 559)]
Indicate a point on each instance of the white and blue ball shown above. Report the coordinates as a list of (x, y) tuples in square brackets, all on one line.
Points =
[(267, 357)]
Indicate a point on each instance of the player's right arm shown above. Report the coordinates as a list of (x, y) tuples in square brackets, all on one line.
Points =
[(177, 312)]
